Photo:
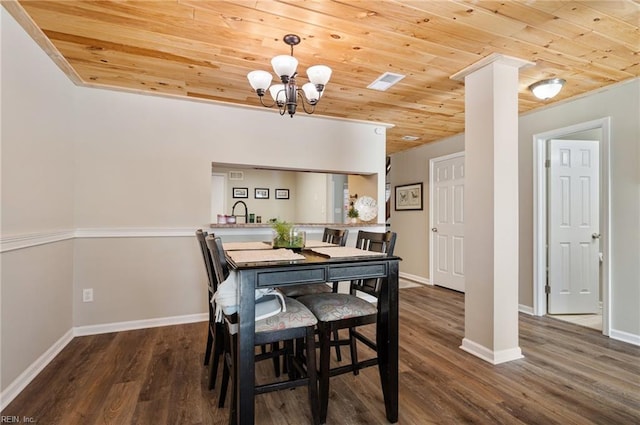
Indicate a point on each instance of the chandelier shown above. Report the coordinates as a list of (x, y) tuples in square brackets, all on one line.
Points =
[(286, 95)]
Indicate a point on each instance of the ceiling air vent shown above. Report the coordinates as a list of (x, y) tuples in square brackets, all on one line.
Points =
[(236, 175), (385, 81), (410, 138)]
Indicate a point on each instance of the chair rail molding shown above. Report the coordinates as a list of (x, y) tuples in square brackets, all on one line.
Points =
[(28, 240)]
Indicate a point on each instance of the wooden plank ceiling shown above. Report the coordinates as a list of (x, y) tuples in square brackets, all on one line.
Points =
[(204, 49)]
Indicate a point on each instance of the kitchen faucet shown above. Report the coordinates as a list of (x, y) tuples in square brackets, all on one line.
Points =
[(246, 211)]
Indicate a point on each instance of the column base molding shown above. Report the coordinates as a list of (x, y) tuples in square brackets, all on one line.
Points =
[(491, 356)]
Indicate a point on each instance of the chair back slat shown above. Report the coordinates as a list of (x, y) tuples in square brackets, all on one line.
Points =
[(377, 242), (220, 265), (335, 236), (201, 236)]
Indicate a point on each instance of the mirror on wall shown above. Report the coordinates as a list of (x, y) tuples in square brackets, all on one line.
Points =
[(290, 195)]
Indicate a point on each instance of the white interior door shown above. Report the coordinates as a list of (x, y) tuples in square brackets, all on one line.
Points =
[(573, 229), (447, 221)]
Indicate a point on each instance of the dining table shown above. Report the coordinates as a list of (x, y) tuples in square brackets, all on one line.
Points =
[(256, 269)]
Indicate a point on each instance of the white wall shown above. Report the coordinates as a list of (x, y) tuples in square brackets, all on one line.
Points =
[(36, 198), (622, 104), (128, 179), (412, 166), (145, 162), (269, 179), (310, 197)]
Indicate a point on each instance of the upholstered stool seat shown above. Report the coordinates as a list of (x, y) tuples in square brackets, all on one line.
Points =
[(295, 316), (328, 307)]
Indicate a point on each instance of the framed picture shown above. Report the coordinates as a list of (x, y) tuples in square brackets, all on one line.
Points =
[(261, 193), (409, 197), (240, 192), (282, 193)]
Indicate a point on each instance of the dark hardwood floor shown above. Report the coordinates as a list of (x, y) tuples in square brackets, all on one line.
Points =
[(570, 375)]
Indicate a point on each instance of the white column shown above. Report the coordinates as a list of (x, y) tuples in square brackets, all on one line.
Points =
[(491, 208)]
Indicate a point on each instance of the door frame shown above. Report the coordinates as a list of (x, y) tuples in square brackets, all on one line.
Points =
[(540, 214), (432, 161)]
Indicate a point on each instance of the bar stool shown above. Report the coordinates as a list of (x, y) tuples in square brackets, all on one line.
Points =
[(215, 331), (347, 311), (296, 322)]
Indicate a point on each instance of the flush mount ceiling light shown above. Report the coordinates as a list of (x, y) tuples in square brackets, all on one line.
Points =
[(286, 95), (410, 138), (546, 89)]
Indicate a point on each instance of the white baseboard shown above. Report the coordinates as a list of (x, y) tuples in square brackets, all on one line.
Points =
[(25, 378), (493, 357), (525, 309), (625, 337), (139, 324), (415, 278)]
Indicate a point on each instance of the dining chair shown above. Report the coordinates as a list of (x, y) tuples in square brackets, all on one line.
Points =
[(215, 331), (294, 322), (334, 236), (337, 311)]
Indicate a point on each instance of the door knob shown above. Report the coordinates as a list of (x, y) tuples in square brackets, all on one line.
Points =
[(595, 236), (434, 229)]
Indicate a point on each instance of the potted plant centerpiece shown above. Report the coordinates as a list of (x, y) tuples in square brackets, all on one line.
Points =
[(285, 236), (353, 214)]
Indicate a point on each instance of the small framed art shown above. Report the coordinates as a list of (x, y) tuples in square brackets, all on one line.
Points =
[(261, 193), (282, 193), (240, 192), (408, 197)]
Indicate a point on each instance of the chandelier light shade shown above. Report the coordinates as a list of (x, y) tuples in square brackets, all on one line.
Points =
[(284, 66), (287, 96), (546, 89), (319, 74), (259, 80), (278, 93)]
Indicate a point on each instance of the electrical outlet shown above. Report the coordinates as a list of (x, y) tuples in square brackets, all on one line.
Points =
[(87, 295)]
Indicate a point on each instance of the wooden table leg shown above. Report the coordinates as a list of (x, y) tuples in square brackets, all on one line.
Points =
[(387, 341), (246, 361)]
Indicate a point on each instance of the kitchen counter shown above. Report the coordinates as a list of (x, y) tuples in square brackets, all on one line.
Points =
[(241, 232), (268, 225)]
